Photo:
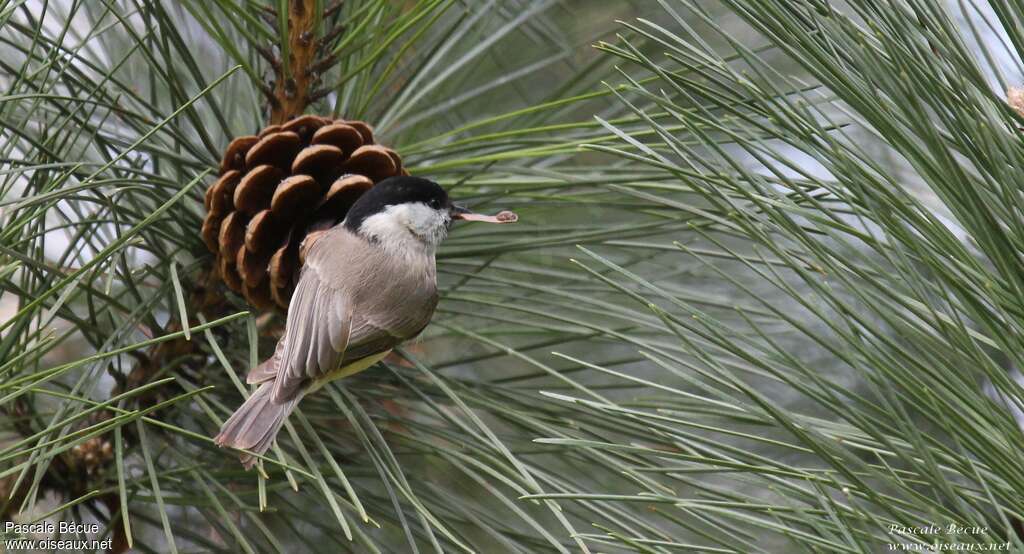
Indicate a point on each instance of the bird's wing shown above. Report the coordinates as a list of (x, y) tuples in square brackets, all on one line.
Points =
[(327, 326), (396, 296), (316, 333), (377, 328)]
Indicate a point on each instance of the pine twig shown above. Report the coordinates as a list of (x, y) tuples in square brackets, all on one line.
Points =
[(332, 9), (294, 81)]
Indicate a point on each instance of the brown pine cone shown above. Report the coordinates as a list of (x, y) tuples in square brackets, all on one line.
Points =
[(279, 187), (91, 456)]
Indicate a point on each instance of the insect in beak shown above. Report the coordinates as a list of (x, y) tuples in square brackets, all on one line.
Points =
[(459, 212)]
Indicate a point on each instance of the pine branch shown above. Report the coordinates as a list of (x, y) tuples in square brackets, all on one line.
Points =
[(294, 82)]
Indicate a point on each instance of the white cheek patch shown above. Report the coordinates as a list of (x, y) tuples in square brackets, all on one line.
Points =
[(425, 221), (407, 228)]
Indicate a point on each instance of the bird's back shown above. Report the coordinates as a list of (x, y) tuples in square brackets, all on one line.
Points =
[(386, 297), (393, 292)]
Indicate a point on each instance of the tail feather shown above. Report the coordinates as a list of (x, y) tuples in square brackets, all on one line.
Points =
[(263, 372), (256, 423), (268, 369)]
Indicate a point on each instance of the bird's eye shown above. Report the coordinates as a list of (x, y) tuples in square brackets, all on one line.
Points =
[(435, 203)]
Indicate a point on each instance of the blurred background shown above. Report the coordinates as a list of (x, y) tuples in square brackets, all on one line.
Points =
[(765, 268)]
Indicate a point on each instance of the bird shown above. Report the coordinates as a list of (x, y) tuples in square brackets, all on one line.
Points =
[(368, 284)]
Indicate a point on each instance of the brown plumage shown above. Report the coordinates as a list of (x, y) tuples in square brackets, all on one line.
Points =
[(367, 285), (342, 313)]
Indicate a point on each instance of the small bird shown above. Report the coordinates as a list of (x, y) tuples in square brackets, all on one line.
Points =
[(368, 284)]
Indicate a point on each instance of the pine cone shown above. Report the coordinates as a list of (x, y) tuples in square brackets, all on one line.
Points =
[(276, 189), (92, 455)]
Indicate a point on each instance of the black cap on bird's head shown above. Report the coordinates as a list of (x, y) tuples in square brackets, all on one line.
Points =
[(395, 191), (392, 192)]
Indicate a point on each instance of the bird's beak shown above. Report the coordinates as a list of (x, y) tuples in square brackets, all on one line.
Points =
[(459, 212)]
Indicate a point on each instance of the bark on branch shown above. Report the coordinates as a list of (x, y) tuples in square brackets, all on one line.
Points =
[(295, 80)]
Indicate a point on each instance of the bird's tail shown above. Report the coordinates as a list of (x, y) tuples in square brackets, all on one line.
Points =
[(254, 425)]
